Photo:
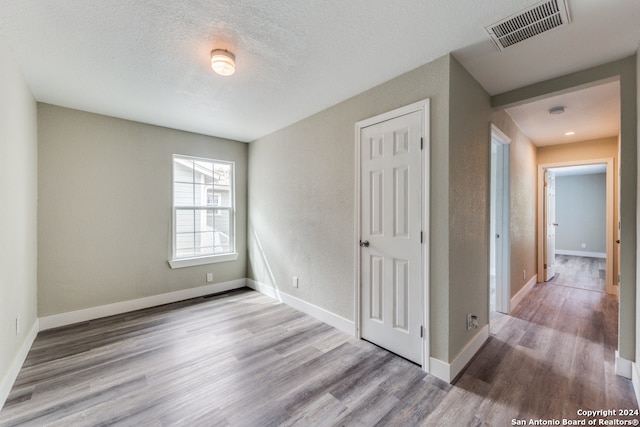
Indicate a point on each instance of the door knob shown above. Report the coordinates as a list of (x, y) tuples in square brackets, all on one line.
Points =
[(364, 243)]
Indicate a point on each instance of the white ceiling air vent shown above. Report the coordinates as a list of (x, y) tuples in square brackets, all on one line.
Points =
[(534, 20)]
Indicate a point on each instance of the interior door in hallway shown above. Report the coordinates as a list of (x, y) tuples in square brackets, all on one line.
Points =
[(391, 226), (550, 225)]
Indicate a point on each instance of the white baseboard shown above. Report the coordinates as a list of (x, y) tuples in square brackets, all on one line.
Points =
[(345, 325), (63, 319), (523, 292), (449, 371), (636, 381), (18, 361), (624, 367), (581, 253)]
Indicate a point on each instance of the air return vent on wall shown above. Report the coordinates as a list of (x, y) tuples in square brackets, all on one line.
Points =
[(534, 20)]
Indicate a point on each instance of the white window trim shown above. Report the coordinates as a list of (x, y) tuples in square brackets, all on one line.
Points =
[(212, 259), (207, 259)]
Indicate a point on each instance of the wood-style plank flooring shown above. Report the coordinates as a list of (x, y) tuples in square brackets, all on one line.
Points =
[(581, 272), (242, 359)]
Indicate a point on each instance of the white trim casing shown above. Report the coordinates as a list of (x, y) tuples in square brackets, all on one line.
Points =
[(191, 262), (423, 106), (624, 367), (18, 361), (523, 292), (635, 379), (331, 319), (449, 371), (63, 319)]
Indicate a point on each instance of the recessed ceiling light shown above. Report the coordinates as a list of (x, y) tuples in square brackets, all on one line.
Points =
[(569, 133), (556, 110), (223, 62)]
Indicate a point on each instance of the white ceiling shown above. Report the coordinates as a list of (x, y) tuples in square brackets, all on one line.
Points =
[(591, 113), (148, 60)]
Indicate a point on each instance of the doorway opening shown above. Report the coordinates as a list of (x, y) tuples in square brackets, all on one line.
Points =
[(499, 253), (577, 239), (578, 244)]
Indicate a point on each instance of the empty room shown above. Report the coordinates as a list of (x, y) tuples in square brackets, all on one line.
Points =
[(317, 213)]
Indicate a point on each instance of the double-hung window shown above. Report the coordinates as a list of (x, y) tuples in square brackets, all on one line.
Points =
[(203, 211)]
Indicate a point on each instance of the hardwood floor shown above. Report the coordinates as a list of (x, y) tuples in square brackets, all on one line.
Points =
[(242, 359), (581, 272)]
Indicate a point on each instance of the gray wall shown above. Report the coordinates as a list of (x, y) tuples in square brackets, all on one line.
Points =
[(18, 195), (104, 211), (581, 203), (469, 205), (522, 200), (301, 200)]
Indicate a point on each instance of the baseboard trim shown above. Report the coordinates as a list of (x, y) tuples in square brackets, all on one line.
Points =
[(635, 374), (624, 367), (345, 325), (523, 292), (581, 253), (18, 361), (71, 317), (449, 371)]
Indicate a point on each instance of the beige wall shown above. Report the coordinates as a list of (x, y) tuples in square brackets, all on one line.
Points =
[(301, 200), (104, 211), (522, 174), (18, 195)]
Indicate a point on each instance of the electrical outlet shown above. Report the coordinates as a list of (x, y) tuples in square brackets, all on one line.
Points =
[(472, 322), (295, 282), (209, 277), (583, 245)]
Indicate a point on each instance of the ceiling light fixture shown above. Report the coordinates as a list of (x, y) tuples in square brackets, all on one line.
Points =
[(569, 133), (556, 110), (223, 62)]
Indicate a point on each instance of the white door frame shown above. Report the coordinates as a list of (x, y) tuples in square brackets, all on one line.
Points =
[(610, 289), (423, 107), (503, 244)]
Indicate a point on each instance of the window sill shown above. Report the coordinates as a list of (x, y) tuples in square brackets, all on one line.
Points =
[(191, 262)]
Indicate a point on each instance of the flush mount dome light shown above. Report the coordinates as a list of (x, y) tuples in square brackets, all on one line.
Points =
[(223, 62), (556, 110)]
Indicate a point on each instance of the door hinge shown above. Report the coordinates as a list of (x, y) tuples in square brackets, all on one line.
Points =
[(545, 266), (421, 143), (421, 237), (421, 331)]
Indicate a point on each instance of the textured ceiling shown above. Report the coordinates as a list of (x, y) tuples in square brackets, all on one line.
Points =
[(148, 60), (591, 113)]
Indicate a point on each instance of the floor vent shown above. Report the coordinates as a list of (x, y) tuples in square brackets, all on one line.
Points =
[(534, 20)]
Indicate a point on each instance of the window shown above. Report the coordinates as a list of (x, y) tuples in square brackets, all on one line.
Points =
[(203, 211)]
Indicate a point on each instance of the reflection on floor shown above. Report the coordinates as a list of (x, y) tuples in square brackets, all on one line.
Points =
[(580, 272)]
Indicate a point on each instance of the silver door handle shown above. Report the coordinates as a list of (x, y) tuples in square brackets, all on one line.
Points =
[(364, 243)]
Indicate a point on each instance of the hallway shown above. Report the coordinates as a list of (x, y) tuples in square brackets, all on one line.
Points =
[(554, 354)]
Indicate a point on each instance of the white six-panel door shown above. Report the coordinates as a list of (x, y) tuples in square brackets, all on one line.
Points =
[(391, 225)]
